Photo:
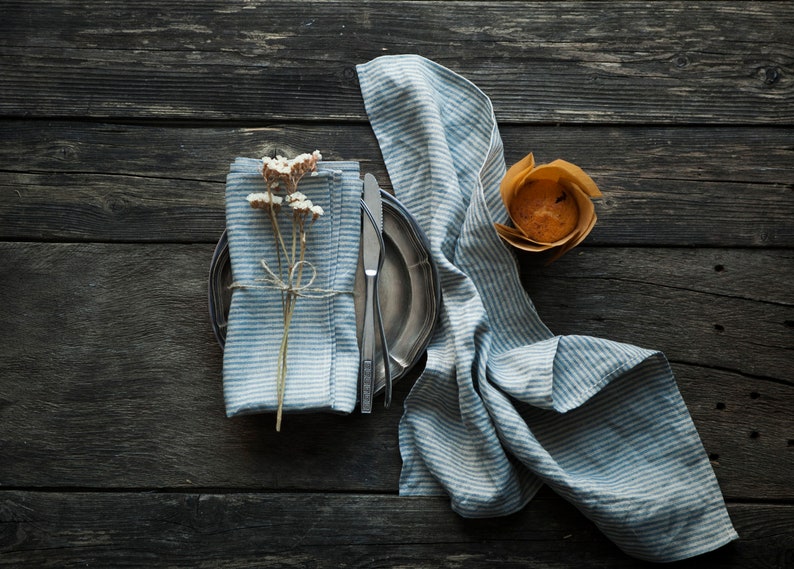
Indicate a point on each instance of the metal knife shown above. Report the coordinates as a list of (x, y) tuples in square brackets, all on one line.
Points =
[(371, 243)]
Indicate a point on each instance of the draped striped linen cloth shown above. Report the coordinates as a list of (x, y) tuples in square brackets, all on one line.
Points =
[(504, 405), (322, 360)]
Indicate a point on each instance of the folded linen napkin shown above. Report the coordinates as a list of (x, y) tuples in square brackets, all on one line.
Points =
[(322, 360), (504, 405)]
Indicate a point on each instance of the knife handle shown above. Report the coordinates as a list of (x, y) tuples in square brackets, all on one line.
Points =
[(366, 368)]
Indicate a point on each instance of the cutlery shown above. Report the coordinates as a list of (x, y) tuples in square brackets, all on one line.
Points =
[(384, 346), (373, 254)]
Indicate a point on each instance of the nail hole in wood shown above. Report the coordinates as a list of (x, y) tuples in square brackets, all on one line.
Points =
[(754, 434), (714, 456), (719, 328), (720, 406), (754, 395), (791, 442), (771, 75), (719, 268)]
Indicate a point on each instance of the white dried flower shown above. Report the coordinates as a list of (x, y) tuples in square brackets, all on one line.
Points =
[(296, 197), (258, 196), (301, 206), (316, 211), (264, 200), (281, 172)]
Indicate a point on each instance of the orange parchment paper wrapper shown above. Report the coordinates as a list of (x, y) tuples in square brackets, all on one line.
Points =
[(549, 204)]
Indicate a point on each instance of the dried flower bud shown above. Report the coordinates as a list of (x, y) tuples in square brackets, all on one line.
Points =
[(301, 206), (264, 200), (316, 211), (281, 172)]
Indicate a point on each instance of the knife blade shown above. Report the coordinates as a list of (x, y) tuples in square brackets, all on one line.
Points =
[(371, 245)]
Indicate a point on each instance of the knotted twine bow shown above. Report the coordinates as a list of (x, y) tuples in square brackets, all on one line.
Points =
[(273, 281)]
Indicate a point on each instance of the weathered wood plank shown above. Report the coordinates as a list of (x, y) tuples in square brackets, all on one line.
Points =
[(663, 186), (114, 447), (730, 154), (286, 530), (706, 306), (108, 359), (616, 62)]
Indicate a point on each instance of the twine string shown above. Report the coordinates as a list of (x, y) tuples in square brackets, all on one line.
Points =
[(274, 281)]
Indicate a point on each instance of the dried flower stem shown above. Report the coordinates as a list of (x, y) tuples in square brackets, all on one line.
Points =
[(287, 173), (289, 310)]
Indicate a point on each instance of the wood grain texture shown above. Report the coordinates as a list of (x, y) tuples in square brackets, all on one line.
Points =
[(117, 124), (662, 185), (713, 307), (109, 361), (613, 62), (288, 530)]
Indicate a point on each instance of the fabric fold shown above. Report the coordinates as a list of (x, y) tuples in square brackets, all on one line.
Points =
[(503, 404), (322, 361), (563, 372)]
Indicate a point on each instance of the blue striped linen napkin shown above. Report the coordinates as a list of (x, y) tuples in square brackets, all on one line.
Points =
[(504, 405), (322, 361)]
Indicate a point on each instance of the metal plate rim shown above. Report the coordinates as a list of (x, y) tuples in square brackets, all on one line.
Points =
[(391, 204)]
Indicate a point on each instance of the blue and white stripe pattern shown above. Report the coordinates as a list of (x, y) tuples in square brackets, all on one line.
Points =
[(322, 368), (504, 405)]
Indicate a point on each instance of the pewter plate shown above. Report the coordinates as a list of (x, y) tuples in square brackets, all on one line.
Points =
[(408, 290)]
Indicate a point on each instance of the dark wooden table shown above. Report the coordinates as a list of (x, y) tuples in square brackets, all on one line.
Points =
[(119, 120)]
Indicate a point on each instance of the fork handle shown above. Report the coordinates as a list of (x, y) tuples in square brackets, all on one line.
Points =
[(366, 367), (384, 349)]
